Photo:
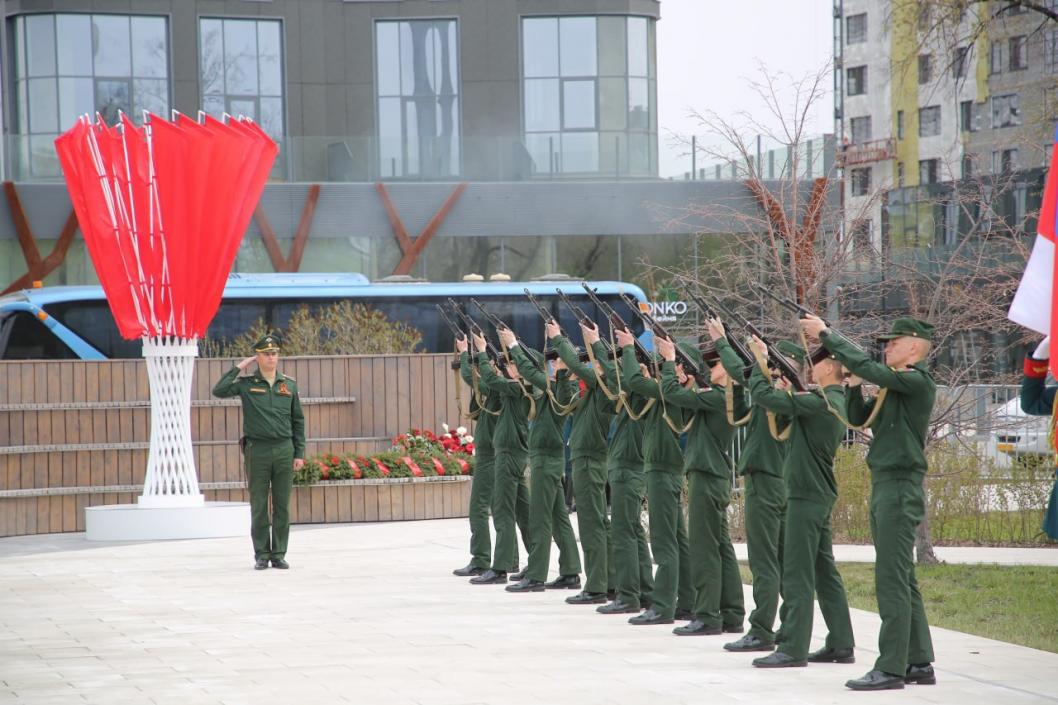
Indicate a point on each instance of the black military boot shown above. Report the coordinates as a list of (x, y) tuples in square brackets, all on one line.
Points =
[(489, 577)]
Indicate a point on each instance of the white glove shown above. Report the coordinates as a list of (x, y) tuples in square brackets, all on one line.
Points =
[(1043, 350)]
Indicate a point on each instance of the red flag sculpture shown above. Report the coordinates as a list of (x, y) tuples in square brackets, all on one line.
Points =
[(163, 208)]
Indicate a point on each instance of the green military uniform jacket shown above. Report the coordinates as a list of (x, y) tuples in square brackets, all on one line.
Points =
[(814, 438), (898, 448), (486, 420), (661, 445), (545, 431), (761, 452), (591, 420), (626, 441), (511, 432), (270, 412), (709, 438)]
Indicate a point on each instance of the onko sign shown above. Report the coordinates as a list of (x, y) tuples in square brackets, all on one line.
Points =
[(667, 311)]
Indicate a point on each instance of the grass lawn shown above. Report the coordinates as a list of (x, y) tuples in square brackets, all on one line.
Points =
[(1015, 604)]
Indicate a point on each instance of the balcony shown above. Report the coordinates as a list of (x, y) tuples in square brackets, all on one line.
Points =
[(866, 152)]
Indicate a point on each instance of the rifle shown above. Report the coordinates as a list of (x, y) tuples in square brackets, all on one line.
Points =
[(474, 328), (551, 353), (717, 310), (784, 364), (499, 325), (689, 366), (584, 320), (457, 332), (618, 323), (801, 311)]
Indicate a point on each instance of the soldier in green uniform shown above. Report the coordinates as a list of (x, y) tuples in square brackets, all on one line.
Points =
[(899, 417), (587, 442), (273, 429), (509, 440), (719, 605), (485, 409), (760, 465), (548, 517), (815, 432), (663, 462), (632, 566)]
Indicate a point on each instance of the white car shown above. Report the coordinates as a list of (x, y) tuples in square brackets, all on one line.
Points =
[(1017, 433)]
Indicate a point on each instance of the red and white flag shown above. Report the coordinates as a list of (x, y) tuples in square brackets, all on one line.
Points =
[(1035, 304)]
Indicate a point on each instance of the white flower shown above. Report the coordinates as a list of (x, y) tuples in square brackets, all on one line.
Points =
[(468, 439), (447, 435), (461, 431), (445, 427)]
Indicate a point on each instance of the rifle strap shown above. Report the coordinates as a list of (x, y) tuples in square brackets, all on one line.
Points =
[(879, 399), (600, 376), (773, 423), (729, 406), (664, 410), (521, 382), (475, 377)]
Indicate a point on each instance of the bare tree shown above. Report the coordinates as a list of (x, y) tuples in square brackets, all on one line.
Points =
[(957, 265)]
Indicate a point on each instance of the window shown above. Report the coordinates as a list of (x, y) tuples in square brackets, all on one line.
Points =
[(588, 87), (1018, 54), (241, 70), (925, 68), (417, 94), (1050, 103), (856, 28), (923, 18), (929, 121), (900, 175), (967, 166), (861, 181), (1050, 51), (1005, 111), (927, 171), (28, 339), (1004, 161), (67, 65), (900, 124), (860, 127), (966, 116), (995, 58), (958, 64), (857, 80)]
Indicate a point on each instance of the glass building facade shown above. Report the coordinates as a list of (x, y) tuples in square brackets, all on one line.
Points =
[(588, 95)]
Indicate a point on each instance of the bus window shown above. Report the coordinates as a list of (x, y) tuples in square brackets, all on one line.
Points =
[(282, 312), (234, 318), (93, 321), (419, 313), (29, 339)]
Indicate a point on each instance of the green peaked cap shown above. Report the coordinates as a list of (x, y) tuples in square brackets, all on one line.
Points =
[(910, 327)]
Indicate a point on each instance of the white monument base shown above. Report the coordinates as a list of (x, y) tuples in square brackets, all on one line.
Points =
[(131, 522)]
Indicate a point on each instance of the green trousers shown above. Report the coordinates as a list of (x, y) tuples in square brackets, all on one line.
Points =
[(714, 569), (510, 510), (589, 492), (269, 471), (480, 504), (808, 567), (633, 570), (897, 508), (549, 518), (765, 497), (668, 541)]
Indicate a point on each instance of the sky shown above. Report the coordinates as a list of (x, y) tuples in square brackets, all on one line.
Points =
[(707, 49)]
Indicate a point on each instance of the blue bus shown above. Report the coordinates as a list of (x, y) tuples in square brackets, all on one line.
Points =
[(74, 322)]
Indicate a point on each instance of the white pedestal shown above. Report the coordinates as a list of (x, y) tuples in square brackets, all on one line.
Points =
[(131, 522)]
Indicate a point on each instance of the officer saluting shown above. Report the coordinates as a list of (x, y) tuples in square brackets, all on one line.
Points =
[(899, 417), (273, 445)]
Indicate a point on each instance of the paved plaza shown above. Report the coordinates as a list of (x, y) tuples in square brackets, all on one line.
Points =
[(370, 613)]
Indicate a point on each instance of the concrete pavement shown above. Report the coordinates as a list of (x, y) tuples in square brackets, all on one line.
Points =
[(370, 613)]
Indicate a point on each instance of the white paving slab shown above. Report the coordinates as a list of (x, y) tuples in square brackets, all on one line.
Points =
[(371, 614)]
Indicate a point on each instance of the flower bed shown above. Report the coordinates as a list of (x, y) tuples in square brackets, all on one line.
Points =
[(418, 453)]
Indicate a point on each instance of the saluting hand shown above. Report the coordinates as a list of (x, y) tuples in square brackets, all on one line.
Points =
[(812, 325), (590, 334), (246, 362)]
